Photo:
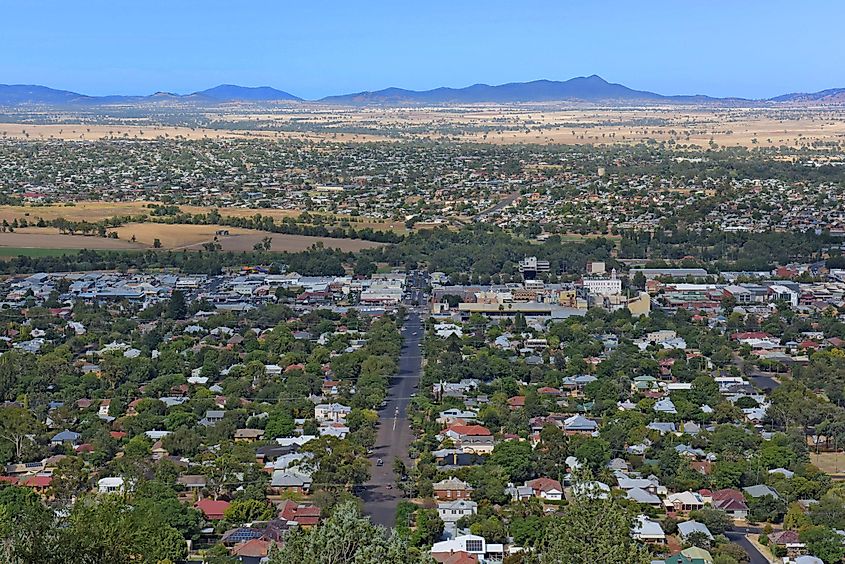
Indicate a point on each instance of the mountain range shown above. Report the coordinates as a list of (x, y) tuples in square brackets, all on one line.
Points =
[(583, 89)]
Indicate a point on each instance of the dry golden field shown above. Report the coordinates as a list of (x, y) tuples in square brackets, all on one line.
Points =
[(171, 236), (95, 211), (192, 237), (49, 238), (771, 125)]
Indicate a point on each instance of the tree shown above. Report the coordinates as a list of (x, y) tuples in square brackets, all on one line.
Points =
[(766, 508), (491, 528), (699, 539), (176, 307), (823, 542), (428, 528), (592, 530), (109, 529), (338, 462), (16, 426), (69, 478), (516, 458), (795, 518), (716, 521), (137, 447), (528, 531), (279, 424), (248, 510), (344, 538), (166, 544), (593, 452), (729, 553), (26, 527)]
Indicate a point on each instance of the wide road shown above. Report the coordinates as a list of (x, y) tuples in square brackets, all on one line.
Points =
[(394, 434)]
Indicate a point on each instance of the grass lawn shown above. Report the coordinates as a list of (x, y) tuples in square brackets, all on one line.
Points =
[(829, 462)]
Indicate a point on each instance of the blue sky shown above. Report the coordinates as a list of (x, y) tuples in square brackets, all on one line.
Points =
[(751, 48)]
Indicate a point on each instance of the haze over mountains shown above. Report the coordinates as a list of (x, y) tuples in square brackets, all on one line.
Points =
[(581, 89)]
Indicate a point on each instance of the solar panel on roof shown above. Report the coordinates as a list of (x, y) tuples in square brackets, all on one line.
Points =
[(244, 534)]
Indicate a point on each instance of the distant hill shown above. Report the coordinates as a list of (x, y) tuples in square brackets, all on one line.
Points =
[(232, 92), (589, 89), (17, 94), (14, 94), (831, 95)]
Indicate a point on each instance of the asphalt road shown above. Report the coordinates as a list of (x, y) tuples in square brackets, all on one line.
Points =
[(738, 537), (394, 435)]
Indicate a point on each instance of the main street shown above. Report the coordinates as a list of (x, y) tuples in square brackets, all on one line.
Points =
[(394, 436)]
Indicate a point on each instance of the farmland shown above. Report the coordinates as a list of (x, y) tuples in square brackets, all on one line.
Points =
[(93, 211), (192, 237)]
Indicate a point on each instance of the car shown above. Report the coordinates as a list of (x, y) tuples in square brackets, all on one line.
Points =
[(379, 462)]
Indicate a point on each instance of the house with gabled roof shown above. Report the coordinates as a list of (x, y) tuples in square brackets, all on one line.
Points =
[(546, 488), (212, 509), (682, 502), (579, 425), (648, 531), (452, 488)]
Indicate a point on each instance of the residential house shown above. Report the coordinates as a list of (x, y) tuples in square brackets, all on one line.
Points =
[(760, 490), (66, 436), (470, 544), (691, 555), (248, 435), (648, 531), (579, 425), (333, 412), (546, 488), (731, 501), (212, 509), (114, 484), (452, 488), (682, 502), (687, 528), (290, 480), (452, 511)]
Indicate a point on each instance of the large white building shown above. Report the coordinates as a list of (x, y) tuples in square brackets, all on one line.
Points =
[(604, 286)]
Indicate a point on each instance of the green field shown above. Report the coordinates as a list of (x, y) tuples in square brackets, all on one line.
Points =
[(12, 252)]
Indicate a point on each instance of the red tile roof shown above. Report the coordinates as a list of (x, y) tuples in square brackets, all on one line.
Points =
[(750, 335), (470, 430), (255, 548), (544, 484), (211, 508), (38, 482), (454, 557)]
